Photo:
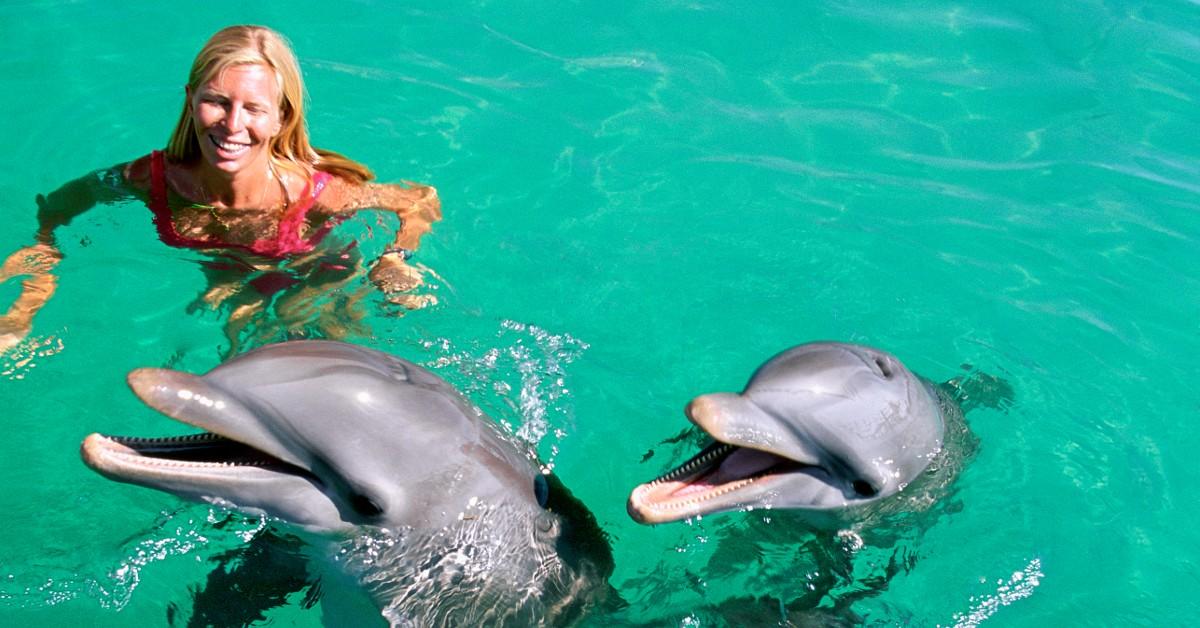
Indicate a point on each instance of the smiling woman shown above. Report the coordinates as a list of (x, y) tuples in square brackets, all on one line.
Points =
[(240, 181)]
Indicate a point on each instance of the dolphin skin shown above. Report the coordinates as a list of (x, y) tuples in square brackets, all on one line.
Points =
[(440, 517), (825, 428)]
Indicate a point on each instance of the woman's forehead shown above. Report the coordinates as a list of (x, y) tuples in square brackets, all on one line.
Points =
[(245, 78)]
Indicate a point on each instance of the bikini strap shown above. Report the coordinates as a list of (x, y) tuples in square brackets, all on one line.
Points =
[(160, 210), (158, 182), (319, 180)]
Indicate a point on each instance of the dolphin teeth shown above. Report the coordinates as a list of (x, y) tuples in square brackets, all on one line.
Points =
[(704, 480), (189, 438), (695, 463), (702, 497), (203, 450), (727, 488)]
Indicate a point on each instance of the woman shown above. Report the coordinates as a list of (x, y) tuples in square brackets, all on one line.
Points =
[(240, 181)]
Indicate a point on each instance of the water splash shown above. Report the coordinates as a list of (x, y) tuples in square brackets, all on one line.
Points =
[(1018, 587), (25, 356), (184, 537), (174, 534), (527, 371)]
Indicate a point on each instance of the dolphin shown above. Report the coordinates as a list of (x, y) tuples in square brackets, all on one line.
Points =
[(440, 517), (825, 428)]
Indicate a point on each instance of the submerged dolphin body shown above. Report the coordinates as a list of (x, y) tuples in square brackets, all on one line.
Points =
[(440, 517), (825, 428)]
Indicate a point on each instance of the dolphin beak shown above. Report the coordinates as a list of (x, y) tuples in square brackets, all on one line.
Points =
[(234, 460), (736, 420), (191, 399), (94, 451)]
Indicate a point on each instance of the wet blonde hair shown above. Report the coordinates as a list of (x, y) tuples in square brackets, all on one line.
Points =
[(289, 149)]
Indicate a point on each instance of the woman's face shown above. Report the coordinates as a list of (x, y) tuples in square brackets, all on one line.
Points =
[(237, 114)]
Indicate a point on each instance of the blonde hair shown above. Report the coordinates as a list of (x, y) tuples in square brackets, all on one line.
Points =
[(290, 149)]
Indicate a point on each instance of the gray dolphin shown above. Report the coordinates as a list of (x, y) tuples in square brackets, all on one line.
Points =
[(438, 515), (823, 427)]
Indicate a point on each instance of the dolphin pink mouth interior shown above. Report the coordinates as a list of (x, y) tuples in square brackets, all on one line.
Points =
[(719, 470)]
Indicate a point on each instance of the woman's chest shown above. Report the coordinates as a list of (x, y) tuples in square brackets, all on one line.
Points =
[(237, 226)]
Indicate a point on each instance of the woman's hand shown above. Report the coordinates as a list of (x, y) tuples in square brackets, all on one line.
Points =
[(417, 206), (424, 206), (396, 279), (36, 261), (12, 331)]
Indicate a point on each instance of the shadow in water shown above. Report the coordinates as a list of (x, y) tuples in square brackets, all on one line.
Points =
[(248, 581)]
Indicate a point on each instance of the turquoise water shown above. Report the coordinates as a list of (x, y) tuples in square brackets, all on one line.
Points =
[(643, 201)]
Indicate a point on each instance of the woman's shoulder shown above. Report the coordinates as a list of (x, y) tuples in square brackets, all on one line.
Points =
[(335, 193), (138, 173)]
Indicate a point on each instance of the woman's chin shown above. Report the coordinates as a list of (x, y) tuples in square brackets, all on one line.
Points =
[(228, 163)]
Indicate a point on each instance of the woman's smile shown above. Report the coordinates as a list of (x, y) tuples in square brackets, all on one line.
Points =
[(229, 149)]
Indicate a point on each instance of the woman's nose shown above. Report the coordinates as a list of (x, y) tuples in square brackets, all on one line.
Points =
[(235, 118)]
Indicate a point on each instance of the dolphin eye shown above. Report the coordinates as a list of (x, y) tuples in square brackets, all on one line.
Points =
[(541, 490), (364, 506), (864, 488)]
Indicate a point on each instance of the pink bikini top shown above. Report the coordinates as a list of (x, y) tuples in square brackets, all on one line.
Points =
[(287, 240)]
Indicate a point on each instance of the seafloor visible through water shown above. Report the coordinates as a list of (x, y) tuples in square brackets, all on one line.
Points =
[(643, 201)]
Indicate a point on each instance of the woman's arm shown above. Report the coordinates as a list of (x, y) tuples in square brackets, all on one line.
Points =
[(37, 261), (418, 208), (61, 206), (35, 291)]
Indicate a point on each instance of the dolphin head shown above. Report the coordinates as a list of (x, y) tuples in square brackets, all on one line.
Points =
[(820, 427), (323, 434)]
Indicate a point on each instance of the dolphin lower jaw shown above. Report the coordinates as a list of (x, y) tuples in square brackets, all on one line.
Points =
[(722, 477), (175, 463)]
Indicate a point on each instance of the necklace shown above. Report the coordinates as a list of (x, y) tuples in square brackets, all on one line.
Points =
[(262, 200)]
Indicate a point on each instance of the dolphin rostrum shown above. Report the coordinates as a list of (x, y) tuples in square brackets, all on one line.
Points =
[(453, 522), (823, 428)]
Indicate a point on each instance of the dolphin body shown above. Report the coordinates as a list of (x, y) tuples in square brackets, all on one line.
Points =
[(837, 432), (441, 518)]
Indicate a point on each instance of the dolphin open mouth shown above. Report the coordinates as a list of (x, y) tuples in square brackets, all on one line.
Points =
[(232, 450), (710, 481), (146, 460)]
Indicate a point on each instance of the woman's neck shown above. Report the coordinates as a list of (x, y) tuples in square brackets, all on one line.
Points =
[(254, 187)]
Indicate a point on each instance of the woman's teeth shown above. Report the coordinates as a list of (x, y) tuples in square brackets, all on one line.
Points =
[(229, 147)]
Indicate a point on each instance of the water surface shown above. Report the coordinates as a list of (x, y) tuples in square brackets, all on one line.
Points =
[(643, 201)]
